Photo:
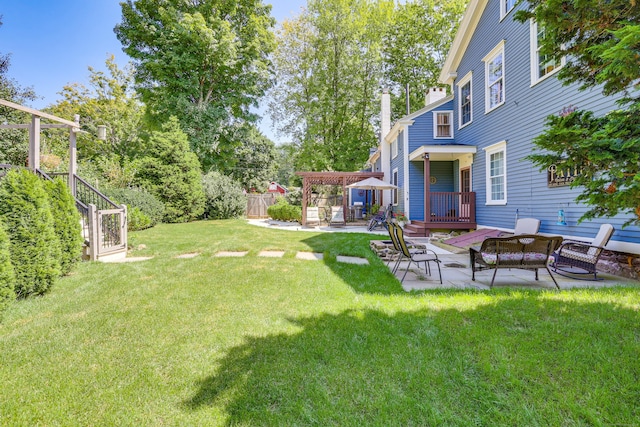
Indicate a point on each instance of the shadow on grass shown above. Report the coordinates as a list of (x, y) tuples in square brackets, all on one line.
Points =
[(523, 358), (373, 278)]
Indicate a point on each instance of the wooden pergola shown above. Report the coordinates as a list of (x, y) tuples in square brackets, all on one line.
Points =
[(331, 178), (34, 136)]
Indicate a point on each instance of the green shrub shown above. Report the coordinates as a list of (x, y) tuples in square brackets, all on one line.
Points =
[(66, 221), (137, 220), (146, 203), (283, 211), (224, 197), (171, 172), (35, 250), (7, 277)]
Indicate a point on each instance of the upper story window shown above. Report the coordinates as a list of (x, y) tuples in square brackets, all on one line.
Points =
[(494, 77), (394, 181), (506, 6), (496, 169), (394, 147), (443, 124), (464, 101), (542, 66)]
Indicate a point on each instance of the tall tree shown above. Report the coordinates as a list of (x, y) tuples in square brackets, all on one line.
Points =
[(328, 72), (111, 101), (14, 144), (205, 62), (415, 46), (256, 160), (602, 41)]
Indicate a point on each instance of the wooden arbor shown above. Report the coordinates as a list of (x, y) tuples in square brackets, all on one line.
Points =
[(331, 178)]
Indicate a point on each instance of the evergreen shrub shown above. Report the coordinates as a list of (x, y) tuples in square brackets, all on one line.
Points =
[(34, 247), (67, 223), (149, 209), (224, 197), (283, 211), (7, 277)]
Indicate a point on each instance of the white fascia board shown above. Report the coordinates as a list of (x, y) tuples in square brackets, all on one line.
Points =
[(395, 130), (455, 150), (461, 41)]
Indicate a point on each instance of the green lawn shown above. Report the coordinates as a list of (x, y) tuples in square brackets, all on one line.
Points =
[(287, 342)]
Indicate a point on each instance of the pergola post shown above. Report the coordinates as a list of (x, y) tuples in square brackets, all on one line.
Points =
[(34, 143), (73, 162)]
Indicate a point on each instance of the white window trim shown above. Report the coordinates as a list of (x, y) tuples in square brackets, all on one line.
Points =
[(435, 123), (394, 148), (499, 49), (535, 57), (493, 149), (468, 78), (503, 9), (395, 179)]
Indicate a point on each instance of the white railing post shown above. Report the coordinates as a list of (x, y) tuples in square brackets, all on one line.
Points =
[(123, 226), (93, 232)]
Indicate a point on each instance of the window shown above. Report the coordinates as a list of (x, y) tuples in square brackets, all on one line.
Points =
[(394, 181), (494, 78), (443, 124), (496, 165), (394, 148), (506, 6), (464, 101), (542, 66)]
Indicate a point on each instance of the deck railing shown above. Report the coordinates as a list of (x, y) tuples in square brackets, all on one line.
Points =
[(452, 207)]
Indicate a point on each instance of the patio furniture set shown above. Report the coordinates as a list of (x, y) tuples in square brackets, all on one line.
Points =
[(522, 249)]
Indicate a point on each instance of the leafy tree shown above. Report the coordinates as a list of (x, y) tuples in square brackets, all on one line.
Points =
[(7, 276), (35, 250), (111, 101), (328, 71), (171, 172), (604, 46), (286, 155), (205, 62), (14, 144), (415, 46), (256, 160), (224, 197), (66, 223)]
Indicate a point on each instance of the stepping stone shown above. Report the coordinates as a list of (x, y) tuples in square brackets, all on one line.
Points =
[(310, 256), (271, 254), (352, 260), (231, 254), (189, 255)]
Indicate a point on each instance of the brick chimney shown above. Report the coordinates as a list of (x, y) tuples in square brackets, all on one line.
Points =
[(434, 94)]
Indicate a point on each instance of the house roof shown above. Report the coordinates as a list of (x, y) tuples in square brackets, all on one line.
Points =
[(467, 27)]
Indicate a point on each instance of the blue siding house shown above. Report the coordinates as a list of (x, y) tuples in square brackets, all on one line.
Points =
[(460, 161)]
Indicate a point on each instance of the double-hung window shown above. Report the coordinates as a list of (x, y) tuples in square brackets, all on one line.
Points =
[(442, 124), (496, 167), (494, 78), (394, 181), (506, 6), (464, 101), (542, 66)]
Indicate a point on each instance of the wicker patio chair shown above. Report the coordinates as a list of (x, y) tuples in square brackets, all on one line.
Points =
[(579, 259)]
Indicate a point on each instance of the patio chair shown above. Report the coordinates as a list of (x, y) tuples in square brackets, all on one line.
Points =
[(337, 216), (313, 216), (579, 259), (524, 226), (413, 255)]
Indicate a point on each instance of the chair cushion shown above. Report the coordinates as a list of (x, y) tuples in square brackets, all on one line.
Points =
[(535, 257), (580, 256), (490, 258)]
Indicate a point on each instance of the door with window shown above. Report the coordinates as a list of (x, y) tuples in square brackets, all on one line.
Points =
[(465, 189)]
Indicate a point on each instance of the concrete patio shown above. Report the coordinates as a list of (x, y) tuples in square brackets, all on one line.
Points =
[(456, 274)]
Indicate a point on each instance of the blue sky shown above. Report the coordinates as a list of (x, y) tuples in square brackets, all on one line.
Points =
[(53, 42)]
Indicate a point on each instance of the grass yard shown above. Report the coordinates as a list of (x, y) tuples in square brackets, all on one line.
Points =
[(211, 341)]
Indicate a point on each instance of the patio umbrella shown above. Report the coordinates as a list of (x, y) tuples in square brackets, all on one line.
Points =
[(372, 184)]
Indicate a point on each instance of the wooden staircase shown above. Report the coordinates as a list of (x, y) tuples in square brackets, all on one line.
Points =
[(416, 229)]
